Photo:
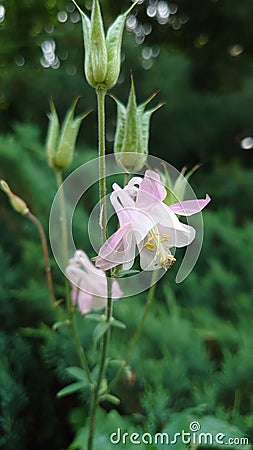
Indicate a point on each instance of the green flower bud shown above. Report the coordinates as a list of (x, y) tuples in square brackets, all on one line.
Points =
[(176, 190), (132, 132), (17, 203), (60, 146), (52, 135), (98, 51), (102, 55)]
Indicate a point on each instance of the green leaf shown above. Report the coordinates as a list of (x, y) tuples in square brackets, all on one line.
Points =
[(127, 273), (107, 423), (72, 388), (117, 324), (95, 317), (112, 399), (59, 324), (77, 373), (100, 330)]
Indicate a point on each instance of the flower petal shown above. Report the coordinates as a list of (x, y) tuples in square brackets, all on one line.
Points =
[(151, 190), (113, 250), (178, 237), (116, 291), (190, 207), (147, 259), (129, 252), (84, 302), (122, 202), (128, 213)]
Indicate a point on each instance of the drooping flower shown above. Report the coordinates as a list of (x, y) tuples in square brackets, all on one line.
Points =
[(148, 224), (89, 288)]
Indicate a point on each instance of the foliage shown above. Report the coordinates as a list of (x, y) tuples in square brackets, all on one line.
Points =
[(201, 123), (194, 361)]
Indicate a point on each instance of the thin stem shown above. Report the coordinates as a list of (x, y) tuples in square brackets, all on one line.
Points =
[(64, 233), (95, 399), (80, 352), (126, 178), (58, 174), (102, 173), (43, 238), (103, 222), (139, 329)]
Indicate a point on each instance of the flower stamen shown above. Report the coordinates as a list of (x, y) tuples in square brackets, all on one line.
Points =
[(154, 244)]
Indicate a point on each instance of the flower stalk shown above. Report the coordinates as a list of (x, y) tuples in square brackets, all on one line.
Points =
[(103, 222), (43, 238), (138, 331), (21, 207), (64, 235)]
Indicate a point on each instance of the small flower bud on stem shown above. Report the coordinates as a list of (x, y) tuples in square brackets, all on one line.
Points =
[(20, 206)]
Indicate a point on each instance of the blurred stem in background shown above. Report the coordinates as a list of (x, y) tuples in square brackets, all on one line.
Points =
[(64, 235), (21, 207), (43, 238), (137, 334)]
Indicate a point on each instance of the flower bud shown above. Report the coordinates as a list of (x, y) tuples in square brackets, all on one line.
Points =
[(132, 132), (60, 146), (102, 55), (17, 203), (98, 52)]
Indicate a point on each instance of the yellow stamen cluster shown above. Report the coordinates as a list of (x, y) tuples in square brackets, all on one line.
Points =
[(154, 244)]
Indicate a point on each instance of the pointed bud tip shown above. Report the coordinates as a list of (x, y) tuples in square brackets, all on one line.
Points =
[(17, 203), (4, 186), (78, 7), (131, 7), (85, 114)]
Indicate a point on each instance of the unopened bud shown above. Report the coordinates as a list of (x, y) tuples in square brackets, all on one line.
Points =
[(17, 203), (60, 145), (102, 54), (132, 132), (98, 52)]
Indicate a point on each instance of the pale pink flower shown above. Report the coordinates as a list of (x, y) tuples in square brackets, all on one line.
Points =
[(89, 286), (148, 224)]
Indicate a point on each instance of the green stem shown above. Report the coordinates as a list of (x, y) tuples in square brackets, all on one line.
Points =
[(103, 223), (101, 153), (138, 331), (126, 178), (43, 238), (64, 233), (58, 174)]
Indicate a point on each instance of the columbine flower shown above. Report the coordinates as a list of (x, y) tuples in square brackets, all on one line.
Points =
[(148, 223), (89, 291)]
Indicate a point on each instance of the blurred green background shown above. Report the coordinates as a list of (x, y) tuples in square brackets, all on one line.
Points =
[(195, 356)]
